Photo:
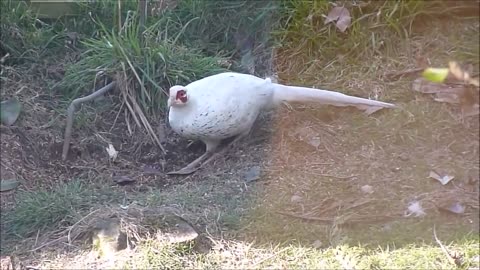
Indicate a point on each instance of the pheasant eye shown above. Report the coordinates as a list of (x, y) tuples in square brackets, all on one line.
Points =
[(182, 95)]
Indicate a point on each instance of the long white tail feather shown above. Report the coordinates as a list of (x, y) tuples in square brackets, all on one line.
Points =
[(310, 95)]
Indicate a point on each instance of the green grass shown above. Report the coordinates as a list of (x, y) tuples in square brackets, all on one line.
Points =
[(41, 210), (25, 37)]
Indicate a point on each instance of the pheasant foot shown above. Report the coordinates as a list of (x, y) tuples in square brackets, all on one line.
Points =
[(197, 163), (192, 167), (227, 147)]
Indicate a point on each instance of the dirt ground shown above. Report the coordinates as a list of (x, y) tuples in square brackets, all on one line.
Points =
[(328, 175)]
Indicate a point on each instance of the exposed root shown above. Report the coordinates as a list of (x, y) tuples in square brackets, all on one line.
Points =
[(71, 111)]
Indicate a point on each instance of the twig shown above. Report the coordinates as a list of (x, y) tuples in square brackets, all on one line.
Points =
[(368, 219), (450, 258), (71, 227), (270, 257), (396, 75), (306, 217), (48, 243), (71, 111), (333, 176), (2, 60)]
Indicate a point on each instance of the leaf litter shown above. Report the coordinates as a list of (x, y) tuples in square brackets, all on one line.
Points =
[(415, 208), (9, 111), (453, 85), (341, 16), (444, 179)]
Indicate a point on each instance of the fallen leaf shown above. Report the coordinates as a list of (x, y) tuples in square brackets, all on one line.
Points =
[(9, 111), (296, 199), (461, 74), (150, 170), (437, 75), (442, 179), (315, 141), (112, 153), (416, 209), (367, 189), (455, 208), (307, 134), (443, 92), (453, 98), (6, 185), (253, 174), (123, 180), (342, 17), (333, 15), (317, 244), (371, 109)]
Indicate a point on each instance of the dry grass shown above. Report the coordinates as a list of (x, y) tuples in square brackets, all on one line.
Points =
[(322, 157)]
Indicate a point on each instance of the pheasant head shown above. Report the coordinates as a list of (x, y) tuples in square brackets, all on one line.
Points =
[(177, 96)]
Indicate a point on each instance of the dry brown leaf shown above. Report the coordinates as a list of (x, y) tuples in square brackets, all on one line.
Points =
[(367, 189), (371, 110), (342, 17), (444, 179), (462, 74), (443, 92), (123, 179), (455, 208), (112, 153), (416, 209)]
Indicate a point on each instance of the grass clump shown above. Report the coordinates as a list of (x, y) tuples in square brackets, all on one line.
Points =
[(150, 66), (40, 210), (177, 44), (23, 35)]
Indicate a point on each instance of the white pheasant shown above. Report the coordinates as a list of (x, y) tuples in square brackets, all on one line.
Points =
[(227, 104)]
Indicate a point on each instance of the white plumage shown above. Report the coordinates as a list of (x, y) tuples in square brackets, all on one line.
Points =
[(227, 104)]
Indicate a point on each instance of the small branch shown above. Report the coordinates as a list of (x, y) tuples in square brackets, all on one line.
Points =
[(71, 111), (450, 258), (49, 243), (396, 75)]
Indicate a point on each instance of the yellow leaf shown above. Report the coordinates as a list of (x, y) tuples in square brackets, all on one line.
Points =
[(437, 75)]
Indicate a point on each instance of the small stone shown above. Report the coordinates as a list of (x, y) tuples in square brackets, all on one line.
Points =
[(403, 157), (296, 198), (253, 174), (396, 169), (367, 189), (317, 244)]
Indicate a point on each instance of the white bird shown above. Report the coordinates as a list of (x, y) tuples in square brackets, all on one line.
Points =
[(227, 104)]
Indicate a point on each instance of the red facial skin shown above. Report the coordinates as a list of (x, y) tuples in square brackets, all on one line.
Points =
[(182, 96)]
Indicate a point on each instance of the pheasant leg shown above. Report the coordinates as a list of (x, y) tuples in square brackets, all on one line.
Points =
[(193, 166), (222, 152)]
